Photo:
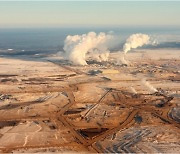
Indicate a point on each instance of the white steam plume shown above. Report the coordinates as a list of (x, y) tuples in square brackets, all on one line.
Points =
[(123, 60), (149, 86), (133, 90), (136, 40), (79, 48)]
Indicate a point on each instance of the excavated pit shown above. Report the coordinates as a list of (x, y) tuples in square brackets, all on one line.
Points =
[(92, 132), (57, 107)]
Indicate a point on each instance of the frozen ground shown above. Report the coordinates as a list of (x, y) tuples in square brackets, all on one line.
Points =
[(49, 105)]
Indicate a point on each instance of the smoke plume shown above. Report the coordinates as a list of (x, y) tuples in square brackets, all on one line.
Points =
[(79, 48), (136, 40), (133, 90), (149, 86)]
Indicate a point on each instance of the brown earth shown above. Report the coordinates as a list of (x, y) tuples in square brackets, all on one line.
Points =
[(51, 106)]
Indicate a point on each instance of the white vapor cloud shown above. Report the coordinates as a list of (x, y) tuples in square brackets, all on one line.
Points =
[(136, 40), (148, 85), (79, 48)]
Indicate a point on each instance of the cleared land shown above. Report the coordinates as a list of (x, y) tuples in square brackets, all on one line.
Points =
[(48, 105)]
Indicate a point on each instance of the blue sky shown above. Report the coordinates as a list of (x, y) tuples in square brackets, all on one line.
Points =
[(79, 13)]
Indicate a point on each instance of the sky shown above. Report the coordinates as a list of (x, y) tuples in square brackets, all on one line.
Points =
[(95, 13)]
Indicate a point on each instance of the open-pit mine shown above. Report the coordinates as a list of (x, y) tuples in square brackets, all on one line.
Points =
[(50, 105)]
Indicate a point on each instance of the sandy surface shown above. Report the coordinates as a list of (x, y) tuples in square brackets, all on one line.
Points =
[(49, 105)]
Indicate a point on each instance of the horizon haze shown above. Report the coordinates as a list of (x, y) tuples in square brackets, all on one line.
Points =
[(29, 14)]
